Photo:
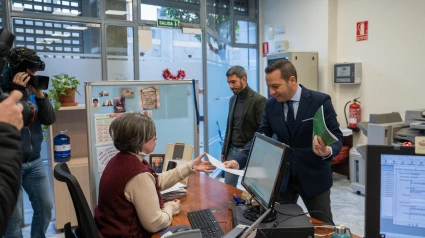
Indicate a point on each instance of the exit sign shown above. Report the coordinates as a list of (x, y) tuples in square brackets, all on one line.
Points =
[(167, 23)]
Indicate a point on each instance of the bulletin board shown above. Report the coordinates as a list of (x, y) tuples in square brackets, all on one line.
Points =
[(171, 105)]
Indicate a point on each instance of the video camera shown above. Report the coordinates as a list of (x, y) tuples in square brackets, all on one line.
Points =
[(20, 61), (6, 42)]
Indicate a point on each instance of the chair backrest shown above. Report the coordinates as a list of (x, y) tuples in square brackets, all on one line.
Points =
[(86, 224)]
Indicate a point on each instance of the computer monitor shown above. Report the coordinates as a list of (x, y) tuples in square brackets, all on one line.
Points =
[(395, 192), (265, 170)]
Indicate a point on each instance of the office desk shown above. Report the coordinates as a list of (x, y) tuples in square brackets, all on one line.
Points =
[(208, 193)]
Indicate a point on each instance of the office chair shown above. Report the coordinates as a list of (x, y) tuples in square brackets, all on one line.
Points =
[(86, 224)]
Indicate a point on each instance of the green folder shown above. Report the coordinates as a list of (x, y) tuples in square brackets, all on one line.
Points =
[(320, 129)]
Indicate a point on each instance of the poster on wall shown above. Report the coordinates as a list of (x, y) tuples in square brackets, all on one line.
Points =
[(102, 123), (362, 30), (149, 97)]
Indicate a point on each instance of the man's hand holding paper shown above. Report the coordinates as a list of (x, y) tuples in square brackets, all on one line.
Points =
[(221, 166)]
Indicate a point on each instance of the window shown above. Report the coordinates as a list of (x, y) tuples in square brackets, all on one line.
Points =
[(187, 11), (246, 32), (218, 17), (51, 36), (119, 43), (119, 10), (75, 8)]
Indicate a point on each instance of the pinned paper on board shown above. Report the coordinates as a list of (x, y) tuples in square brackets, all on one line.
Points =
[(149, 97), (102, 123), (104, 155)]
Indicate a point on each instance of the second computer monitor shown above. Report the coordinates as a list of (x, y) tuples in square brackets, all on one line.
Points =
[(395, 192), (265, 169)]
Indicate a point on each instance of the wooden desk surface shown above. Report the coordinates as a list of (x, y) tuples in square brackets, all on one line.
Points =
[(208, 193)]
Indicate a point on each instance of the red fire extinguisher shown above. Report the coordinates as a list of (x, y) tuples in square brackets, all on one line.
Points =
[(354, 114)]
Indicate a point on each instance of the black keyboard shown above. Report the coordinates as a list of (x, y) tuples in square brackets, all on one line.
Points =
[(205, 221)]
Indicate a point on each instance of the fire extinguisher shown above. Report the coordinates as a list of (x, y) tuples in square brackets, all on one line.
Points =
[(354, 114)]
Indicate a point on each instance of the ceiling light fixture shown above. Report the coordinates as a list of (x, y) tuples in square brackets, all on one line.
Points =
[(115, 12)]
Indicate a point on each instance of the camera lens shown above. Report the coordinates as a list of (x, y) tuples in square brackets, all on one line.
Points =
[(28, 114)]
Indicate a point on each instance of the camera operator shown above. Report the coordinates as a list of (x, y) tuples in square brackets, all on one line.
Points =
[(10, 156), (21, 65)]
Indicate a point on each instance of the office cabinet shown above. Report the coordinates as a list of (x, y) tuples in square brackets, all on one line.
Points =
[(306, 64), (72, 120)]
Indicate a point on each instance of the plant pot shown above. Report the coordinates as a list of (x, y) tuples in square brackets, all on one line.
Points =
[(67, 101)]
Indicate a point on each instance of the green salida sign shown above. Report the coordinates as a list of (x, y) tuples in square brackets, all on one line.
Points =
[(167, 23)]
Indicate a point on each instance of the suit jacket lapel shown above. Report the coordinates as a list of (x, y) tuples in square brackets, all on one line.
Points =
[(247, 102), (302, 109), (232, 110)]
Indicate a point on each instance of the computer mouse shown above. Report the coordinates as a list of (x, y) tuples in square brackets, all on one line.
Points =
[(180, 229)]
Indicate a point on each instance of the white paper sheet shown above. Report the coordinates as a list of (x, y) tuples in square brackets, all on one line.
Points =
[(104, 154), (176, 187), (220, 165)]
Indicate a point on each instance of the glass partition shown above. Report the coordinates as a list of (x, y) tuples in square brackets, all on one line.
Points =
[(219, 93), (119, 43), (65, 47)]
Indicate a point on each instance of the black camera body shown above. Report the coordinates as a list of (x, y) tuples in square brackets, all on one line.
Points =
[(6, 42), (20, 61)]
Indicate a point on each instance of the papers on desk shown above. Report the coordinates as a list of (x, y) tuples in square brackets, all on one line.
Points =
[(176, 191), (220, 165)]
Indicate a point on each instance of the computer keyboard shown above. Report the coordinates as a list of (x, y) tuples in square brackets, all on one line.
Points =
[(206, 222)]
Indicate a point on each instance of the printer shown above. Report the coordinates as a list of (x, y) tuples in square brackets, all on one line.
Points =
[(387, 129)]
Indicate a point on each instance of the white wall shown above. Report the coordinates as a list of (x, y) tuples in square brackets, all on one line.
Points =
[(393, 57), (307, 25)]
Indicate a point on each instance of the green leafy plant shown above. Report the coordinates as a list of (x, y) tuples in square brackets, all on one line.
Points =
[(61, 83)]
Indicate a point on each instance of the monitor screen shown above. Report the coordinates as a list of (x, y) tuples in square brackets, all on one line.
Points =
[(265, 169), (402, 196), (400, 211)]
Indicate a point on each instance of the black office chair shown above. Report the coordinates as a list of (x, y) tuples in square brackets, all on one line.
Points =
[(86, 224)]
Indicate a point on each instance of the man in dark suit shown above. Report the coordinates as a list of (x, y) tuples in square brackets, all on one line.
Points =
[(288, 114), (245, 109)]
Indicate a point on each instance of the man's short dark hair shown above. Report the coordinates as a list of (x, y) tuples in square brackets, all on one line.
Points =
[(95, 100), (237, 70), (287, 69)]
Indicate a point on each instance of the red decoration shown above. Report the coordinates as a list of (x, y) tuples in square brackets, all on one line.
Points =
[(166, 74)]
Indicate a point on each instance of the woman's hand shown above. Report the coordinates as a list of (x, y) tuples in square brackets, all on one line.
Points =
[(202, 166)]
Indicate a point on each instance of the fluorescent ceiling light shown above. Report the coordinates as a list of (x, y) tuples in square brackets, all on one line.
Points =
[(44, 42), (50, 39), (62, 35), (66, 13), (115, 12), (76, 28)]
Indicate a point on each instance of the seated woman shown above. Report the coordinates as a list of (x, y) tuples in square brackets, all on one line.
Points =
[(129, 203)]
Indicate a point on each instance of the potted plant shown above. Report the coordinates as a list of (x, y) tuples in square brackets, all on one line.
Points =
[(63, 92)]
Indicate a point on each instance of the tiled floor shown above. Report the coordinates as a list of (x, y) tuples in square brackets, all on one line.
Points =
[(347, 208)]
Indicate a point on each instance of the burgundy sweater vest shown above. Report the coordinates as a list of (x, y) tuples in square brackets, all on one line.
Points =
[(115, 216)]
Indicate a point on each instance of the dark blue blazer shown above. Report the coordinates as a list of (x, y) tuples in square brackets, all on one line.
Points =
[(314, 172)]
